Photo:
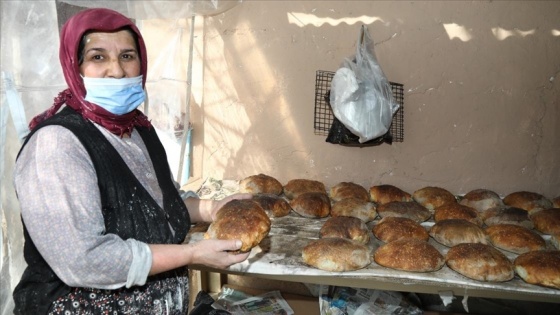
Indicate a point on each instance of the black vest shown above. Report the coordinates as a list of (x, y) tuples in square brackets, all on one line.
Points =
[(128, 209)]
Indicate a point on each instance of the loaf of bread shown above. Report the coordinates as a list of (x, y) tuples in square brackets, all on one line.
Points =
[(479, 262), (481, 199), (312, 205), (546, 221), (433, 197), (345, 190), (390, 229), (276, 205), (453, 210), (456, 231), (296, 187), (514, 238), (507, 215), (382, 194), (404, 209), (240, 219), (352, 207), (409, 254), (540, 267), (345, 227), (336, 254), (527, 200), (260, 184)]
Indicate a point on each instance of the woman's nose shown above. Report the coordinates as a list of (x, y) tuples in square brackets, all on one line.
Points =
[(115, 70)]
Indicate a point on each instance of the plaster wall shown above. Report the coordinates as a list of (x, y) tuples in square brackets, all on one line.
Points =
[(481, 82)]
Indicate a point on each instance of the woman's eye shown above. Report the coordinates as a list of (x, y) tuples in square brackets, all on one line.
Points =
[(127, 56), (97, 57)]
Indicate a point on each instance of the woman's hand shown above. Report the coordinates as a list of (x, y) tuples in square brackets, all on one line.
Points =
[(212, 253), (217, 253)]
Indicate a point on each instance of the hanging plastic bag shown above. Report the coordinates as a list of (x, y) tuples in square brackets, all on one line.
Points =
[(360, 95)]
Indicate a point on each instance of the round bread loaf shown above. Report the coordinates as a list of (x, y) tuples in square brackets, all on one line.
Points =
[(345, 227), (336, 254), (481, 199), (456, 231), (274, 204), (409, 254), (433, 197), (546, 221), (390, 229), (404, 209), (453, 210), (296, 187), (312, 205), (260, 184), (479, 262), (539, 267), (382, 194), (345, 190), (352, 207), (240, 219), (507, 215), (514, 238), (527, 200)]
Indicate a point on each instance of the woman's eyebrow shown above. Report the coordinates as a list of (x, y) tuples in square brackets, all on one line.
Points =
[(127, 50), (99, 49)]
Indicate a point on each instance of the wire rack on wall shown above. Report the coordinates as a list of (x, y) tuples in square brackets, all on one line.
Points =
[(324, 115)]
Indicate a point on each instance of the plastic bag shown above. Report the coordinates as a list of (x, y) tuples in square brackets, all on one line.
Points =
[(361, 96)]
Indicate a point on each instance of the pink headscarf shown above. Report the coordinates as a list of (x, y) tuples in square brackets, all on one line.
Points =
[(103, 20)]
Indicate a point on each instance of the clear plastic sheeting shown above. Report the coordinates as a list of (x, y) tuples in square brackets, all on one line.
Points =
[(29, 56), (177, 9)]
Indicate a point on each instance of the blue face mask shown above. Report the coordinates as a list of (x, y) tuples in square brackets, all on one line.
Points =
[(118, 96)]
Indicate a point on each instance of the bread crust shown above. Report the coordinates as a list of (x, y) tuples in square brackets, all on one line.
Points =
[(404, 209), (539, 267), (276, 205), (481, 199), (527, 200), (410, 255), (433, 197), (260, 184), (479, 262), (352, 207), (453, 210), (312, 205), (546, 221), (514, 238), (456, 231), (507, 215), (299, 186), (382, 194), (344, 190), (390, 229), (241, 219), (345, 227), (336, 254)]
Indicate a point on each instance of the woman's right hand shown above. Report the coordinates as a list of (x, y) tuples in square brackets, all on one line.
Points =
[(217, 253), (212, 253)]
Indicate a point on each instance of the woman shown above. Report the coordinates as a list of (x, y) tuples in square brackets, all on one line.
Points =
[(103, 219)]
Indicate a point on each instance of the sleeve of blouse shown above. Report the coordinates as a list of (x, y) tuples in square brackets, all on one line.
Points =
[(56, 185)]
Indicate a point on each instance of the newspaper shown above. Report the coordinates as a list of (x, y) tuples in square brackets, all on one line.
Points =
[(270, 303), (356, 301)]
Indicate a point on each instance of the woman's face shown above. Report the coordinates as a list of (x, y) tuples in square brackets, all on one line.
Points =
[(110, 55)]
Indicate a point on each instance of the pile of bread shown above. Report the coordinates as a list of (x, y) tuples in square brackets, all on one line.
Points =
[(475, 229)]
